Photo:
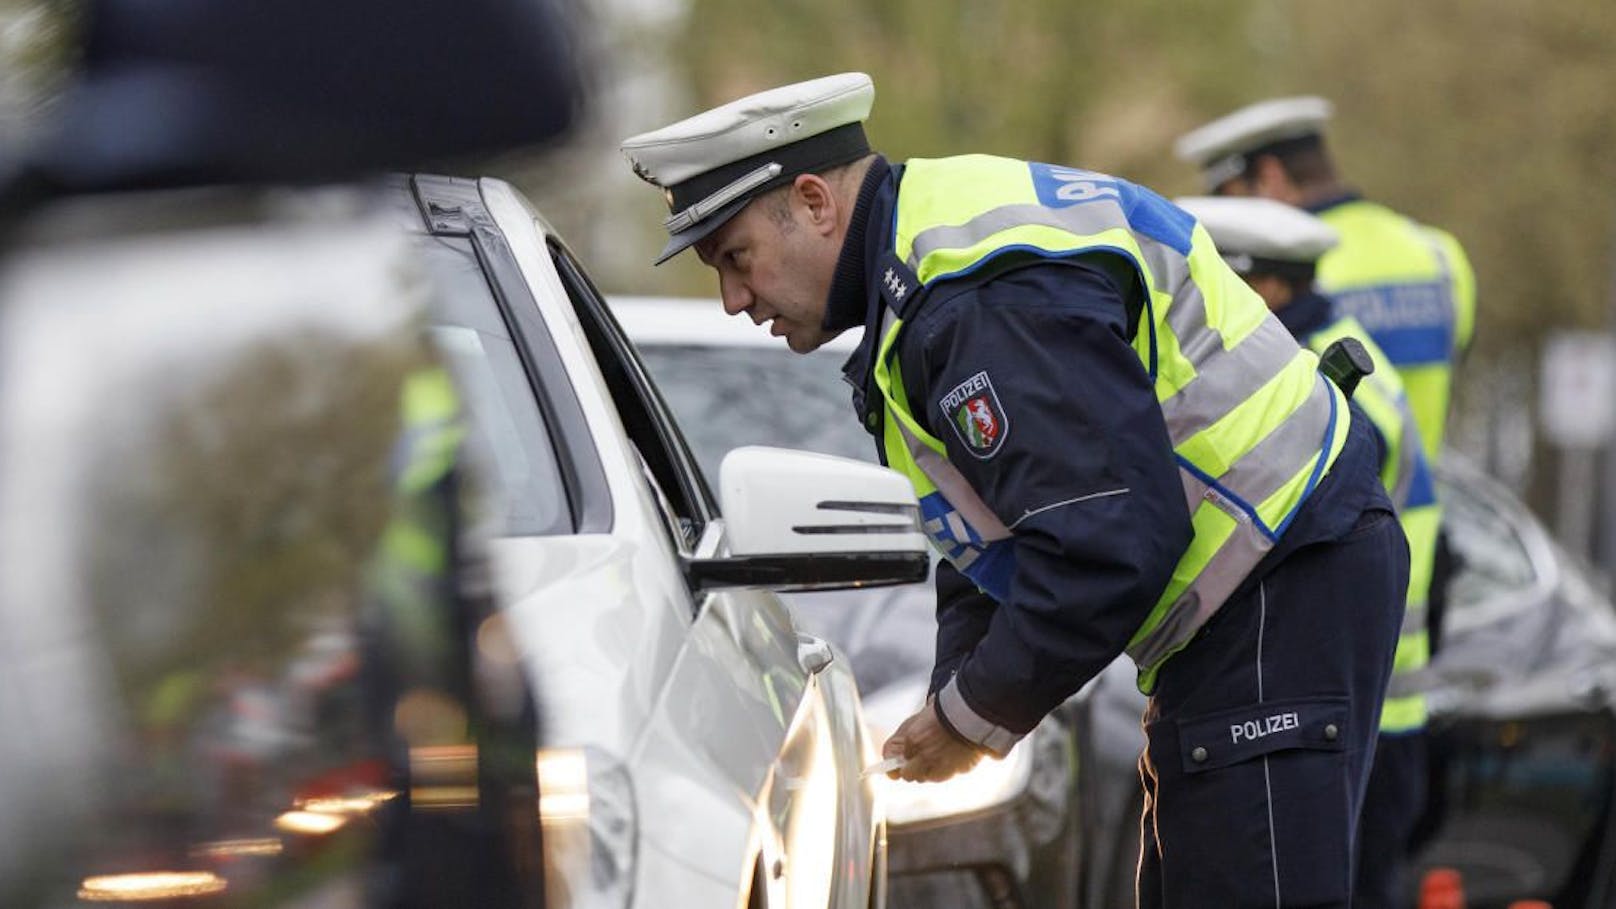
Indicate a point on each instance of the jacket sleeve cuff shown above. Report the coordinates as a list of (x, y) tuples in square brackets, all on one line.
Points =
[(971, 726)]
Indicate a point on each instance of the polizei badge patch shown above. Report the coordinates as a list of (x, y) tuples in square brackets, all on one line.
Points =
[(973, 409)]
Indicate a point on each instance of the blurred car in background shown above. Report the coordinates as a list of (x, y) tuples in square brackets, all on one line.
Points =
[(1523, 723), (699, 747), (1523, 711)]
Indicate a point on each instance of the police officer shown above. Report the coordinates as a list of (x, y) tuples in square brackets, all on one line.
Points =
[(1116, 448), (1408, 283), (1275, 247)]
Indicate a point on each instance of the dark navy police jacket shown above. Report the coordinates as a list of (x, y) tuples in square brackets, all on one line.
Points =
[(1080, 419)]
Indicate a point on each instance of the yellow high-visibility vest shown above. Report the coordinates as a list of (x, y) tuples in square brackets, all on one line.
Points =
[(1254, 425)]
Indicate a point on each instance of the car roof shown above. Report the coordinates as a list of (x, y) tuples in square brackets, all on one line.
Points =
[(701, 322)]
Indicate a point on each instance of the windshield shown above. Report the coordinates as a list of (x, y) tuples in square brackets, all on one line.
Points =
[(1493, 560), (726, 397)]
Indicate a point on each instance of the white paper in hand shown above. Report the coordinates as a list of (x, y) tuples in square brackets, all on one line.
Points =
[(886, 766)]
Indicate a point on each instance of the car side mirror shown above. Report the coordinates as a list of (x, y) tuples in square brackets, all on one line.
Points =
[(803, 521)]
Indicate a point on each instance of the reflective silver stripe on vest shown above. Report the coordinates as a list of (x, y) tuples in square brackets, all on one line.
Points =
[(1272, 463), (1228, 567), (1168, 267), (1413, 619), (1090, 218), (1408, 684), (1408, 449), (1224, 379), (1253, 478)]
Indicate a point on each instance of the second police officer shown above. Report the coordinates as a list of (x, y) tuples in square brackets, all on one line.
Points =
[(1410, 286), (1117, 448), (1276, 247)]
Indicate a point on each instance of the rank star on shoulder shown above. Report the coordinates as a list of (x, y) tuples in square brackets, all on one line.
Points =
[(894, 284)]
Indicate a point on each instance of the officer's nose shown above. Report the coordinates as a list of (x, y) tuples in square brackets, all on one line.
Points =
[(737, 298)]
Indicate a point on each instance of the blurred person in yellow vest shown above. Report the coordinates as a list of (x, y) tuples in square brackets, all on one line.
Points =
[(1409, 284), (1276, 247)]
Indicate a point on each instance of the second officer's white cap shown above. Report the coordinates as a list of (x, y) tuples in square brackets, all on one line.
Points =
[(1250, 232), (1222, 147), (711, 165)]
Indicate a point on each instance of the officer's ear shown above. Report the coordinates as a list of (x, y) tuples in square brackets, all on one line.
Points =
[(818, 201), (1271, 181)]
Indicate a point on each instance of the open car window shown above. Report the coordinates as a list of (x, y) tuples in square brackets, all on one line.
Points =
[(672, 469), (758, 396)]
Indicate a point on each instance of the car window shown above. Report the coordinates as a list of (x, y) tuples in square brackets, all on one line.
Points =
[(509, 424), (672, 470), (757, 396), (1493, 559)]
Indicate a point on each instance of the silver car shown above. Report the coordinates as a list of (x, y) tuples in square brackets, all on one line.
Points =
[(248, 661)]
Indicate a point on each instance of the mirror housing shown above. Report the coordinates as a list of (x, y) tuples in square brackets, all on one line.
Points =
[(803, 521)]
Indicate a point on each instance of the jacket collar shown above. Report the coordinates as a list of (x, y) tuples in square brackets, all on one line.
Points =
[(855, 296), (1307, 314)]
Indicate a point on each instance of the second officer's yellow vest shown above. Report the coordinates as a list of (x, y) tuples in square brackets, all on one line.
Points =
[(1253, 424), (1412, 288), (1406, 474)]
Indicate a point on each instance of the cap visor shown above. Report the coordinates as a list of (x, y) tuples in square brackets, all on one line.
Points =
[(692, 235)]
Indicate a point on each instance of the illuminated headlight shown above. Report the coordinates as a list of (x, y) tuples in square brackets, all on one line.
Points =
[(992, 782), (586, 806)]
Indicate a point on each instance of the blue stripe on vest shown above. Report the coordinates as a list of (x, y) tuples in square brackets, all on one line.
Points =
[(1412, 323), (1147, 212), (1421, 490)]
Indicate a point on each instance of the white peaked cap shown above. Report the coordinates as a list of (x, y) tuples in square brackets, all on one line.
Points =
[(1219, 148), (711, 165), (1257, 228)]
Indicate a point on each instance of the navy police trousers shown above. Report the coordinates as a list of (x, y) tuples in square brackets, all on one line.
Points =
[(1262, 731)]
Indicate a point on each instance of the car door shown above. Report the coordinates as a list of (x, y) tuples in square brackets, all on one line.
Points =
[(746, 695)]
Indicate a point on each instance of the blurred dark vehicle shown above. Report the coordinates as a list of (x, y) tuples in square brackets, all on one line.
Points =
[(194, 92), (1523, 706)]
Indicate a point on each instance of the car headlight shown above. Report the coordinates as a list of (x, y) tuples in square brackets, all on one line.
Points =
[(586, 807), (992, 782)]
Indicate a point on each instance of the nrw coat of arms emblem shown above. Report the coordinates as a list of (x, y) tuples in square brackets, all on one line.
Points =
[(973, 409)]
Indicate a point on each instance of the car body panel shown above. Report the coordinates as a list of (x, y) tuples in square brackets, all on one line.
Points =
[(1523, 711)]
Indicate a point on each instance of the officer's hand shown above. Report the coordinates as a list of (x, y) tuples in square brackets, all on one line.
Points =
[(931, 753)]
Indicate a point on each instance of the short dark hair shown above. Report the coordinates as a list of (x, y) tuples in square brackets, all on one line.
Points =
[(1305, 159), (775, 201)]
